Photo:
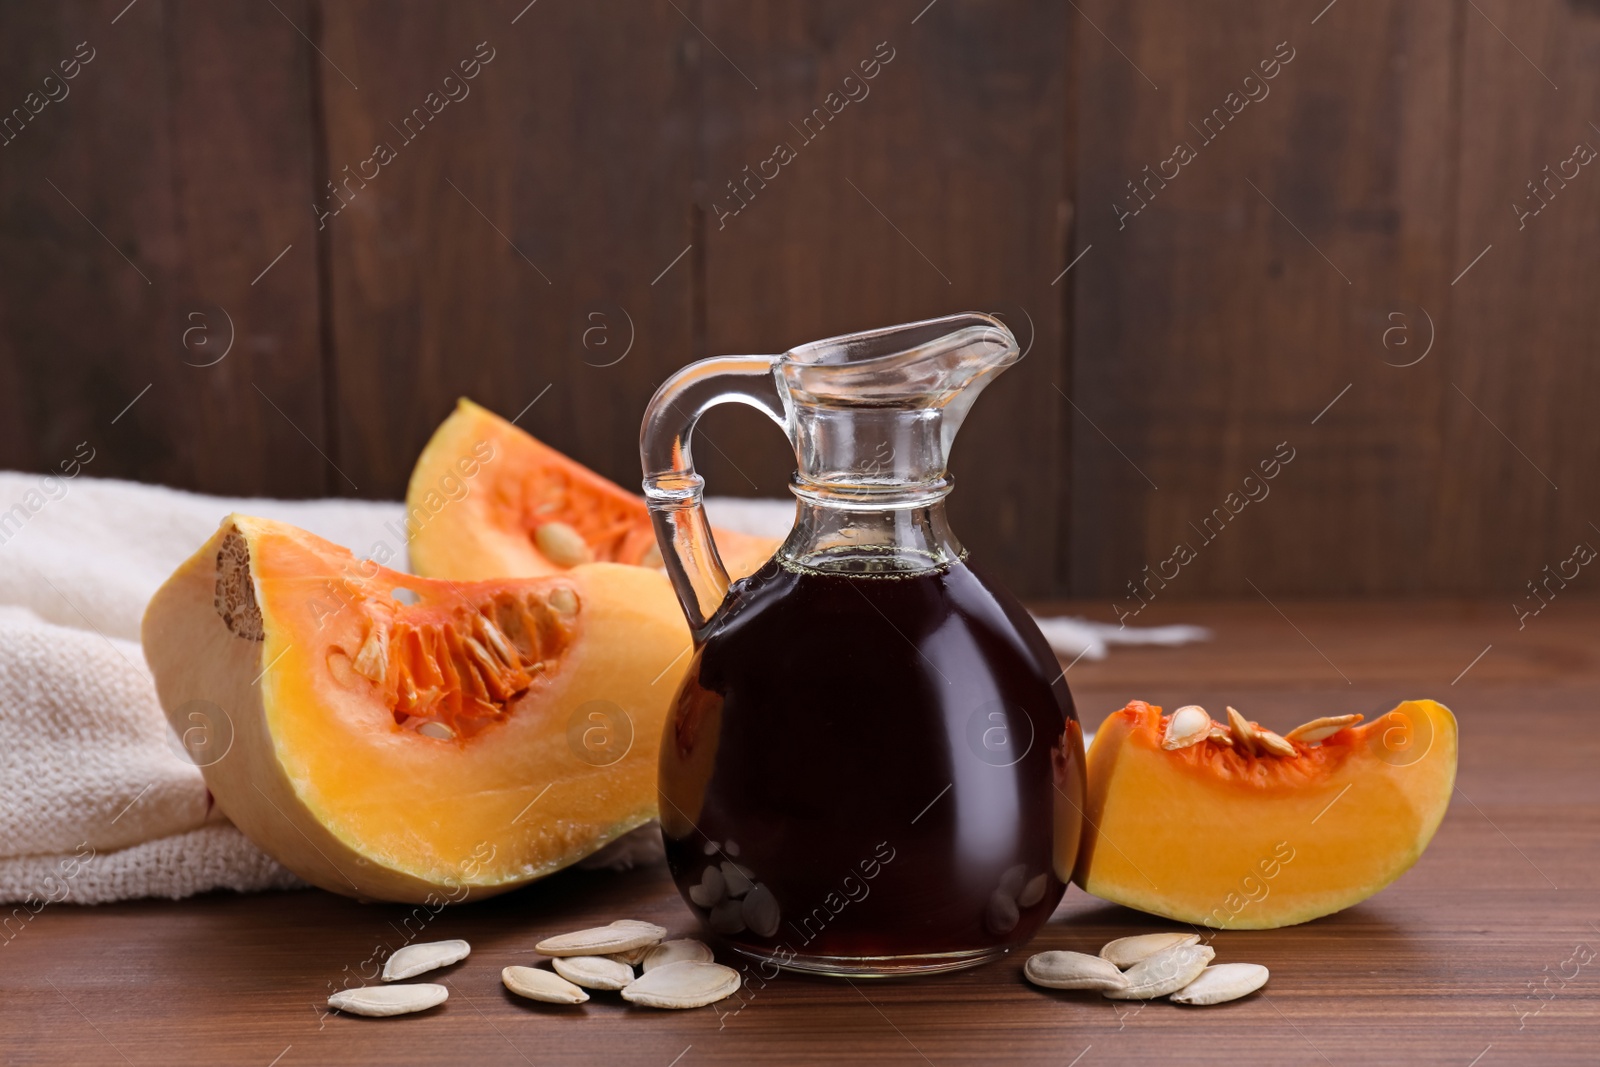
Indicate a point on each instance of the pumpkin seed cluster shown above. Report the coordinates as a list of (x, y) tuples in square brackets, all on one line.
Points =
[(1147, 966), (628, 955)]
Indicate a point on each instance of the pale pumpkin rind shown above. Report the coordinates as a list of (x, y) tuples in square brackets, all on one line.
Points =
[(320, 775), (483, 486), (1211, 836)]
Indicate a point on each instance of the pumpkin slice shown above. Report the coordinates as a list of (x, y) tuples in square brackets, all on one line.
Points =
[(1220, 829), (392, 737), (489, 500)]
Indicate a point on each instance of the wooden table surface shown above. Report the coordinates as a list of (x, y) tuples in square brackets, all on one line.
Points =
[(1484, 954)]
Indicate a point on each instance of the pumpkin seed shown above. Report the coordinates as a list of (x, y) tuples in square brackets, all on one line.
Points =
[(378, 1001), (1244, 731), (1126, 951), (437, 730), (489, 666), (1073, 970), (1189, 725), (593, 972), (685, 984), (1033, 891), (562, 544), (760, 911), (1310, 733), (1223, 982), (494, 638), (737, 878), (1165, 972), (632, 957), (711, 889), (1275, 744), (1220, 734), (413, 960), (1002, 915), (535, 983), (727, 917), (562, 600), (372, 661), (620, 936), (684, 948), (1011, 881)]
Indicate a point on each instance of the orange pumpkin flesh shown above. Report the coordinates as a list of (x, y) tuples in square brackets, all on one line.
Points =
[(416, 751), (482, 489), (1214, 835)]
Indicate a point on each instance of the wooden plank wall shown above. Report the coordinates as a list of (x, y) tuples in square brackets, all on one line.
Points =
[(136, 212), (1310, 251), (1253, 287), (561, 232)]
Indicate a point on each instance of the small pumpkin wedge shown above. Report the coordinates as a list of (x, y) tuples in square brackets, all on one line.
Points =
[(1235, 827), (489, 500), (399, 738)]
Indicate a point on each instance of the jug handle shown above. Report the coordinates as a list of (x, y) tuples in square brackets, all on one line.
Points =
[(672, 489)]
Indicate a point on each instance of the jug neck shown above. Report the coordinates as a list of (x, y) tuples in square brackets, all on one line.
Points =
[(899, 540), (872, 459)]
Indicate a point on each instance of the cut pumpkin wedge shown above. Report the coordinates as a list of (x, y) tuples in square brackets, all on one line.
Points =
[(489, 500), (1223, 831), (399, 738)]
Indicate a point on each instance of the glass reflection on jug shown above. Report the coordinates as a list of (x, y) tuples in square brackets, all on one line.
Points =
[(873, 765)]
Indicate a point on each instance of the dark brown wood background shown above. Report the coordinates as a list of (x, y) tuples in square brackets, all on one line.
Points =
[(565, 212)]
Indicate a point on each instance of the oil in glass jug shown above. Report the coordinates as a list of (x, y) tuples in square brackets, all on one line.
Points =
[(873, 765)]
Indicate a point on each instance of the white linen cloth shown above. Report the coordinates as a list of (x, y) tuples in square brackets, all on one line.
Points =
[(97, 800)]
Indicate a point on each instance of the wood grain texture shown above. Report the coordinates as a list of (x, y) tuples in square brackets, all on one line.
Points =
[(139, 212), (1311, 277), (1434, 970), (935, 186), (1229, 299), (510, 246), (1516, 418)]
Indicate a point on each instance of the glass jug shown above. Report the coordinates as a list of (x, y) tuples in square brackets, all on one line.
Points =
[(873, 766)]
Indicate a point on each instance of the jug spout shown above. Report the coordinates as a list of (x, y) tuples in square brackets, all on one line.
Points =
[(872, 415)]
